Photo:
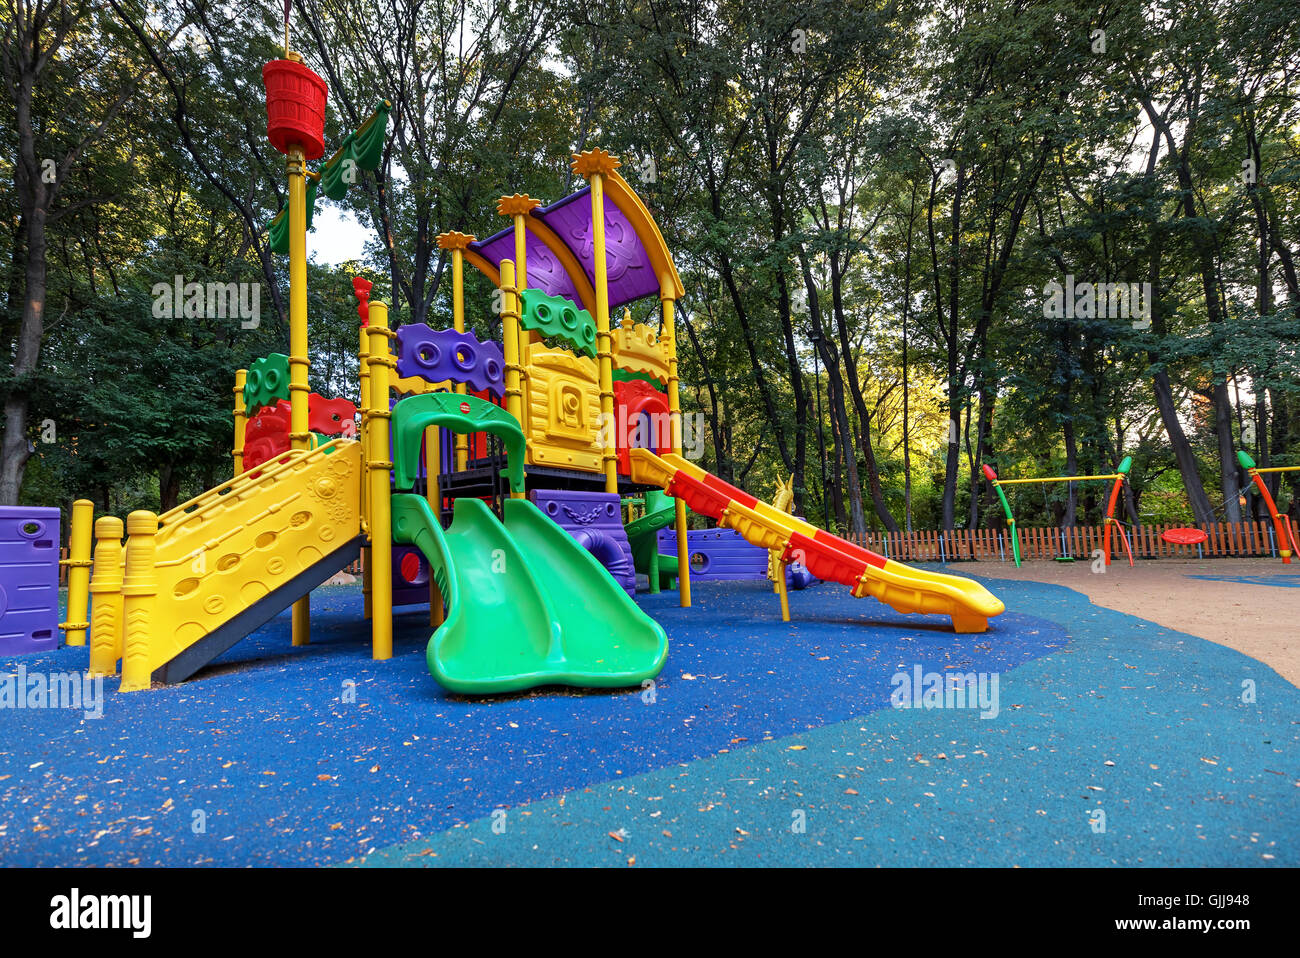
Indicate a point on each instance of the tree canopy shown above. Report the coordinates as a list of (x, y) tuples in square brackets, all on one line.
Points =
[(915, 238)]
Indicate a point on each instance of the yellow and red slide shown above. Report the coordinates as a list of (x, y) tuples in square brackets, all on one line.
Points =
[(826, 556)]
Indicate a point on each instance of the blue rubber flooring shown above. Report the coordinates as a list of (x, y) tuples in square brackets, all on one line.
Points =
[(319, 755), (1133, 746), (1282, 581)]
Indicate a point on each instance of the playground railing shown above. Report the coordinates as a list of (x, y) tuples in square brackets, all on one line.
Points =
[(1223, 540)]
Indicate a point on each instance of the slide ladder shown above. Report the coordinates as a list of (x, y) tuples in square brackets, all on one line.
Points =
[(204, 575)]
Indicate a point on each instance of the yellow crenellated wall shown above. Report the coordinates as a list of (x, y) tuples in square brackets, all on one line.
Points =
[(638, 349)]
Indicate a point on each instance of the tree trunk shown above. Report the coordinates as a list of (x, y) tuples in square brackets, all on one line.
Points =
[(854, 388), (856, 521)]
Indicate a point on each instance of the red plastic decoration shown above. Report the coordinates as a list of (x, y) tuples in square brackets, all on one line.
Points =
[(331, 417), (266, 435), (361, 290), (295, 108), (633, 399)]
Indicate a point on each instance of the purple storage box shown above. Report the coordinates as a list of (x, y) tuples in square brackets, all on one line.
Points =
[(595, 519), (29, 579)]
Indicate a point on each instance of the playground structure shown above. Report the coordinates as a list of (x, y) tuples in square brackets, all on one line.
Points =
[(1117, 480), (554, 425), (1281, 526)]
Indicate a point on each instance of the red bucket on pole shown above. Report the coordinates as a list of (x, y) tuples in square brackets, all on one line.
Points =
[(295, 108)]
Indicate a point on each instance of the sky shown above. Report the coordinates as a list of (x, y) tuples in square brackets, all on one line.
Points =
[(336, 237)]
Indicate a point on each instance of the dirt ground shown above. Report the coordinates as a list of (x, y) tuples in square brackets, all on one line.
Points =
[(1262, 621)]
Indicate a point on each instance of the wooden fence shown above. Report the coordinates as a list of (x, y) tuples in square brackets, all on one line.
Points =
[(1224, 540)]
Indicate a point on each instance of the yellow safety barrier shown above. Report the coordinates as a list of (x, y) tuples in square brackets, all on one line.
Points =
[(106, 590), (78, 564)]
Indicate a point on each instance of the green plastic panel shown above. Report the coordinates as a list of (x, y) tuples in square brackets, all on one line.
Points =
[(557, 318), (268, 380), (459, 413), (624, 376)]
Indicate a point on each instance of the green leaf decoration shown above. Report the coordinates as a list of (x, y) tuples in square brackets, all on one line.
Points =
[(279, 228)]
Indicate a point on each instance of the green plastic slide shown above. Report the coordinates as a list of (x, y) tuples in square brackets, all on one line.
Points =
[(643, 535), (526, 605)]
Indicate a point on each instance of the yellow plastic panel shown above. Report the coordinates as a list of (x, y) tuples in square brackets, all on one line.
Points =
[(221, 552), (562, 410)]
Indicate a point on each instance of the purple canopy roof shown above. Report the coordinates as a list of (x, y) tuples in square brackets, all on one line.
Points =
[(628, 267)]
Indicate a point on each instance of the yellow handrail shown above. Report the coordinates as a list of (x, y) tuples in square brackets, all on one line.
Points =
[(1012, 482)]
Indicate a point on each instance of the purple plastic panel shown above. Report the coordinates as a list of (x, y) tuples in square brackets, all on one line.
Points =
[(628, 268), (721, 555), (410, 576), (444, 354), (29, 579), (629, 272), (545, 272), (596, 521)]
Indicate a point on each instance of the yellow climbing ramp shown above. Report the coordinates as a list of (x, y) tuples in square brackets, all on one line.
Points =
[(205, 574)]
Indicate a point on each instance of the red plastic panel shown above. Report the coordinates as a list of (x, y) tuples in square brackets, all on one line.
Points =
[(835, 542), (824, 560), (698, 496)]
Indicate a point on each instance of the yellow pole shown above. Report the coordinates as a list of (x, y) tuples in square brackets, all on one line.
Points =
[(458, 323), (364, 356), (1274, 469), (510, 345), (78, 563), (241, 420), (669, 337), (139, 595), (106, 587), (1012, 482), (781, 590), (432, 466), (604, 349), (299, 434), (517, 207), (379, 466), (456, 243)]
